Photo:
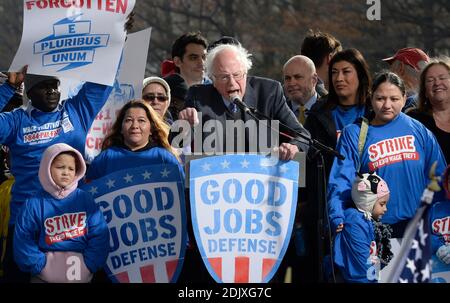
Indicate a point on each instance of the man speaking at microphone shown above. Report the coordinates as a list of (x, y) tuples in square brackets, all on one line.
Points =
[(237, 113)]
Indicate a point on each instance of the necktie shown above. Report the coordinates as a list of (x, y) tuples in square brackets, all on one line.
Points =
[(301, 114), (233, 108)]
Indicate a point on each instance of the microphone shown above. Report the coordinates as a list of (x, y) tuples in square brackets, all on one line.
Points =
[(237, 100)]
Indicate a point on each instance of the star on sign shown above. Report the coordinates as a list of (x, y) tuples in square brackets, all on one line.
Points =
[(266, 162), (165, 173), (128, 178), (110, 183), (284, 168), (245, 164), (93, 190), (206, 167), (225, 164), (146, 175)]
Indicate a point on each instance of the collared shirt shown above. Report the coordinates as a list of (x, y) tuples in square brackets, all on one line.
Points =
[(295, 106), (227, 103)]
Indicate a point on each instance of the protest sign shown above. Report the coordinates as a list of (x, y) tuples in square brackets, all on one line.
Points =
[(79, 39), (145, 212), (243, 209)]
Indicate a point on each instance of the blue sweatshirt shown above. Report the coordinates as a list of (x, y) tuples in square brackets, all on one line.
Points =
[(354, 246), (6, 93), (402, 151), (440, 224), (28, 132), (118, 158), (74, 223)]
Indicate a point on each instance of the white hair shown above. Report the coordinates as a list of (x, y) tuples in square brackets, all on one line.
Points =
[(242, 55), (411, 71)]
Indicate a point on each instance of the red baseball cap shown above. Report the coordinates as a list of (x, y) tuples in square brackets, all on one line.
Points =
[(410, 56), (167, 68)]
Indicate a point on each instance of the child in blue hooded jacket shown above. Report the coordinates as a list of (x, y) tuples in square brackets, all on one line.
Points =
[(61, 227), (364, 241)]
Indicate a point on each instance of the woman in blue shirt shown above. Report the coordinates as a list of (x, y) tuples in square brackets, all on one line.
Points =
[(398, 147)]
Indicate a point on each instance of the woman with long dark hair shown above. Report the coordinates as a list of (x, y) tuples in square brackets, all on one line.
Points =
[(138, 137), (350, 82), (349, 86)]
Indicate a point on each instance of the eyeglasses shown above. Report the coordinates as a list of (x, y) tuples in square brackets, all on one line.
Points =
[(160, 98), (432, 80), (225, 78)]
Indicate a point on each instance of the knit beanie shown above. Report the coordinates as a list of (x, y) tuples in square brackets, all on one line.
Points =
[(31, 80), (366, 189), (161, 81)]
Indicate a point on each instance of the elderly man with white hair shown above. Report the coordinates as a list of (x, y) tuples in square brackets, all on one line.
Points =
[(227, 66)]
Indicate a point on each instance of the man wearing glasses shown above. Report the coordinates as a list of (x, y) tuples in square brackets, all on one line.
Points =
[(227, 66)]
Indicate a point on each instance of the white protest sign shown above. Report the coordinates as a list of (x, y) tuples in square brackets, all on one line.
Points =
[(80, 39), (127, 86)]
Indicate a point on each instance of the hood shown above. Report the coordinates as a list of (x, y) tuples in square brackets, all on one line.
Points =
[(45, 176), (366, 190)]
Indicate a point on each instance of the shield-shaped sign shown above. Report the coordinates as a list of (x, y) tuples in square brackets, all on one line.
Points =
[(145, 211), (243, 209)]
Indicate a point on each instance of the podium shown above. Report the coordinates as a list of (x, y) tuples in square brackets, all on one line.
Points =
[(242, 210)]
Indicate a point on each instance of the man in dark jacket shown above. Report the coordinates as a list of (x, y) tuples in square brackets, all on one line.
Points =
[(227, 66)]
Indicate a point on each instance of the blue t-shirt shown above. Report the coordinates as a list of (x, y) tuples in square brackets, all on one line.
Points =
[(346, 116)]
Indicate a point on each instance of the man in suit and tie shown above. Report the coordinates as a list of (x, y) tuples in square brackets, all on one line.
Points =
[(300, 79), (211, 105)]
